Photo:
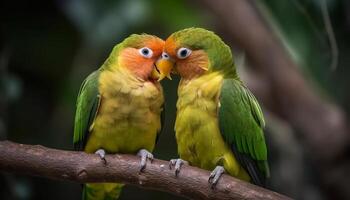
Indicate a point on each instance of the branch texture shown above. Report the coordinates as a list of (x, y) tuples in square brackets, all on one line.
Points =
[(83, 168)]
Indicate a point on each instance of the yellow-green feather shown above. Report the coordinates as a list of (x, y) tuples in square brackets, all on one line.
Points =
[(233, 117), (129, 115), (197, 127), (128, 119), (117, 112), (105, 191), (241, 123), (87, 104)]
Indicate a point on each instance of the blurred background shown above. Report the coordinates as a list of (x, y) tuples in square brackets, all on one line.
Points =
[(294, 55)]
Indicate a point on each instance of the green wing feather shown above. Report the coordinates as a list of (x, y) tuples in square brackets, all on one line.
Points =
[(87, 106), (241, 125)]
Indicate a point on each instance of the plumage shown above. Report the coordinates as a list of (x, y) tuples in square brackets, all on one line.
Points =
[(219, 122), (241, 123), (119, 107), (197, 126), (132, 120), (87, 105)]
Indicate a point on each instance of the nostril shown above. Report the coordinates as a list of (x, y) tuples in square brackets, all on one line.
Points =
[(165, 55)]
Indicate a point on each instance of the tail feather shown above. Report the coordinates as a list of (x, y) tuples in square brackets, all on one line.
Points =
[(252, 167), (102, 191)]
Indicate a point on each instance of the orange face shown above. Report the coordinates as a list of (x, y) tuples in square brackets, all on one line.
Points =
[(141, 60), (187, 62)]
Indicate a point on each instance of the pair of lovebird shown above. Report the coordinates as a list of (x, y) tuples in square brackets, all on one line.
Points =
[(219, 123)]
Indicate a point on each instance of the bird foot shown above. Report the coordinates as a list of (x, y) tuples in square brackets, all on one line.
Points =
[(102, 154), (177, 163), (215, 175), (144, 154)]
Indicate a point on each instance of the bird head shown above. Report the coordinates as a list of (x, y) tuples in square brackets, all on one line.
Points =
[(138, 54), (193, 52)]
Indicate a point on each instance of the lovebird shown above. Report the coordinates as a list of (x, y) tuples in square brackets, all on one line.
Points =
[(219, 123), (119, 107)]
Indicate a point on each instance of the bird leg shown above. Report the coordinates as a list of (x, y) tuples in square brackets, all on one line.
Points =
[(102, 154), (215, 175), (177, 163), (144, 154)]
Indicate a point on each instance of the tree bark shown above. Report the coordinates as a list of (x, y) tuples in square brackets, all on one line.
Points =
[(81, 167)]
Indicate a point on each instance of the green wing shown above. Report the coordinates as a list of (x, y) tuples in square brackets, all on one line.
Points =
[(241, 125), (87, 106)]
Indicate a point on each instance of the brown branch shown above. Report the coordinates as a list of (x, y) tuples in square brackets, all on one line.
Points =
[(81, 167)]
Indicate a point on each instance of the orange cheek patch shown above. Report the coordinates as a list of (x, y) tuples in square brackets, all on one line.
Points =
[(131, 59), (196, 64), (200, 59)]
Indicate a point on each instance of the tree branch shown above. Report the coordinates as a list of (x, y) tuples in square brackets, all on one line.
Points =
[(85, 168)]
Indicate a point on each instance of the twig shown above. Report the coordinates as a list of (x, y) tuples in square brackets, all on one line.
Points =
[(331, 36)]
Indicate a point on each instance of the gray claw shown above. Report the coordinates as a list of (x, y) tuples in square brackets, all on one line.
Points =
[(102, 154), (215, 175), (171, 163), (144, 154), (177, 163)]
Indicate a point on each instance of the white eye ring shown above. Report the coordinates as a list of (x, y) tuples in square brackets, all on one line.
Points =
[(183, 53), (165, 56), (146, 52)]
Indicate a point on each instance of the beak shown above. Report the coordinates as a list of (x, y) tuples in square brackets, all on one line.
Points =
[(164, 66), (155, 73)]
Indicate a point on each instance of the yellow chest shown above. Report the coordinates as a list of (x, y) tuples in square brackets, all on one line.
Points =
[(197, 128), (129, 115)]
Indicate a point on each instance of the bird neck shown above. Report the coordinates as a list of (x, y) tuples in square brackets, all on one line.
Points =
[(206, 87)]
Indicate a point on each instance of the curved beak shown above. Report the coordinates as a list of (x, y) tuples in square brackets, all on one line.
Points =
[(155, 73), (164, 67)]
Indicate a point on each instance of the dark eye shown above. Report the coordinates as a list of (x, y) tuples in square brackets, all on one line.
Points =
[(146, 52), (183, 53)]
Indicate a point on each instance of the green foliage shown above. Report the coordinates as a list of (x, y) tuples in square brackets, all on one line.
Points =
[(301, 26)]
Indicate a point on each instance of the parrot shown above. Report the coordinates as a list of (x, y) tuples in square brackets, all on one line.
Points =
[(119, 107), (219, 124)]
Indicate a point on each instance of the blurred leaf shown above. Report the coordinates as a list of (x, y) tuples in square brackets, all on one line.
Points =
[(103, 22)]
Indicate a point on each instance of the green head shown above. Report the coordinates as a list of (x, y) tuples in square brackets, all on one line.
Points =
[(196, 51)]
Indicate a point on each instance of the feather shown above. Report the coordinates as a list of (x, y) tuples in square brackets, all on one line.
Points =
[(241, 125)]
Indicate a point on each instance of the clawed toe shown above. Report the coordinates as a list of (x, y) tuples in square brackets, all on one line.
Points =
[(177, 163), (215, 175), (102, 154), (145, 155)]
